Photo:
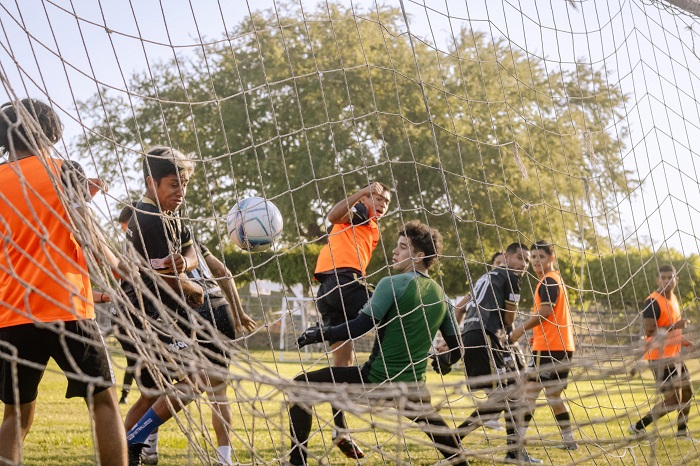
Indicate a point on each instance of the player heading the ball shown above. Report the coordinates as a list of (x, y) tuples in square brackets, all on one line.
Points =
[(341, 269)]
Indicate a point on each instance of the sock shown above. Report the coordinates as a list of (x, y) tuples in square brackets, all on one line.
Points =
[(147, 424), (474, 420), (564, 422), (682, 419), (300, 422), (643, 422), (152, 444), (522, 430), (339, 420), (224, 454)]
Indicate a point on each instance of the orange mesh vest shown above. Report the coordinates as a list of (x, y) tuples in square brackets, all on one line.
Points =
[(670, 314), (43, 274), (349, 246), (556, 332)]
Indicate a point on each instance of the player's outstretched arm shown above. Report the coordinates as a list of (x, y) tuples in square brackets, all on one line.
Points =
[(354, 328)]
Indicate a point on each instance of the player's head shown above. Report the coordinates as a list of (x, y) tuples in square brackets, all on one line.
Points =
[(667, 280), (125, 215), (417, 247), (542, 256), (377, 203), (498, 259), (167, 172), (32, 129), (517, 258)]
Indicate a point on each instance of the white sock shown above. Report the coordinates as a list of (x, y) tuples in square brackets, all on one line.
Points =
[(224, 454), (522, 431), (568, 436), (151, 444)]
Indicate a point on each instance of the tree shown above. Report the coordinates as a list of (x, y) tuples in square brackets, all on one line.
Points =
[(624, 279), (481, 140)]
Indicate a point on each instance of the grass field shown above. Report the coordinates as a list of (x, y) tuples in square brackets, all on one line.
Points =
[(61, 434)]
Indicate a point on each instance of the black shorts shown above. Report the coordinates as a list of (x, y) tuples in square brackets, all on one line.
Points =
[(550, 366), (485, 355), (670, 375), (168, 366), (76, 346), (340, 300), (217, 331)]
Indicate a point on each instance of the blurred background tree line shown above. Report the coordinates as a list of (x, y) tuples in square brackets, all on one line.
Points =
[(484, 142)]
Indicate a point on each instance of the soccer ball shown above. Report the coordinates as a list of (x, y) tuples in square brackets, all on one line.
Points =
[(254, 224)]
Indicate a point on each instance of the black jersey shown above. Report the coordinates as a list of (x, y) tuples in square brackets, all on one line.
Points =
[(492, 291), (155, 236)]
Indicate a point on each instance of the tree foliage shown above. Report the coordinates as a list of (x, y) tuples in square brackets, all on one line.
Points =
[(624, 279), (482, 140)]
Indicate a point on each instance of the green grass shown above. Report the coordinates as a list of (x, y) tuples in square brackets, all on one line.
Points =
[(61, 435)]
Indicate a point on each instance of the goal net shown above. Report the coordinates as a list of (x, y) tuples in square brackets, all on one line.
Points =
[(493, 122)]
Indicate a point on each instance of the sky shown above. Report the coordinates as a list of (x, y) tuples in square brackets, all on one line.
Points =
[(64, 50)]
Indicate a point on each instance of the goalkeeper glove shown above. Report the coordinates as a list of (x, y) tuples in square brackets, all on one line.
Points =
[(440, 364), (311, 335)]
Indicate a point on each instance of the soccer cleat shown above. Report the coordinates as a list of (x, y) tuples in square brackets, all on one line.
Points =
[(570, 446), (520, 457), (135, 454), (148, 457), (632, 429), (348, 446), (684, 435), (493, 424), (458, 459)]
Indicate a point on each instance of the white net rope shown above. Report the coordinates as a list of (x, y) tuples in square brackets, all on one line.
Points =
[(494, 122)]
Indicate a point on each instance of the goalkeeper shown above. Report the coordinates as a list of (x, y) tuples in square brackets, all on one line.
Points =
[(407, 309)]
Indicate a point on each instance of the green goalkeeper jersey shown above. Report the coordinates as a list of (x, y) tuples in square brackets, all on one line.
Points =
[(408, 310)]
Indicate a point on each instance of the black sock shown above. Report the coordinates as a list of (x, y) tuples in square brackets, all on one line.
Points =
[(511, 435), (475, 418), (645, 421), (300, 421), (339, 419), (682, 420), (564, 421)]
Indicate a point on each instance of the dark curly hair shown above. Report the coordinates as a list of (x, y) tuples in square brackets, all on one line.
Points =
[(14, 133), (423, 238)]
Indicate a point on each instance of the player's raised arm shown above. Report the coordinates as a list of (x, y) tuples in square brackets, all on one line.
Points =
[(375, 196)]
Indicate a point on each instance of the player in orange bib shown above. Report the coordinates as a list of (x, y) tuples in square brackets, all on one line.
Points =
[(46, 301), (663, 327), (340, 269), (553, 343)]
